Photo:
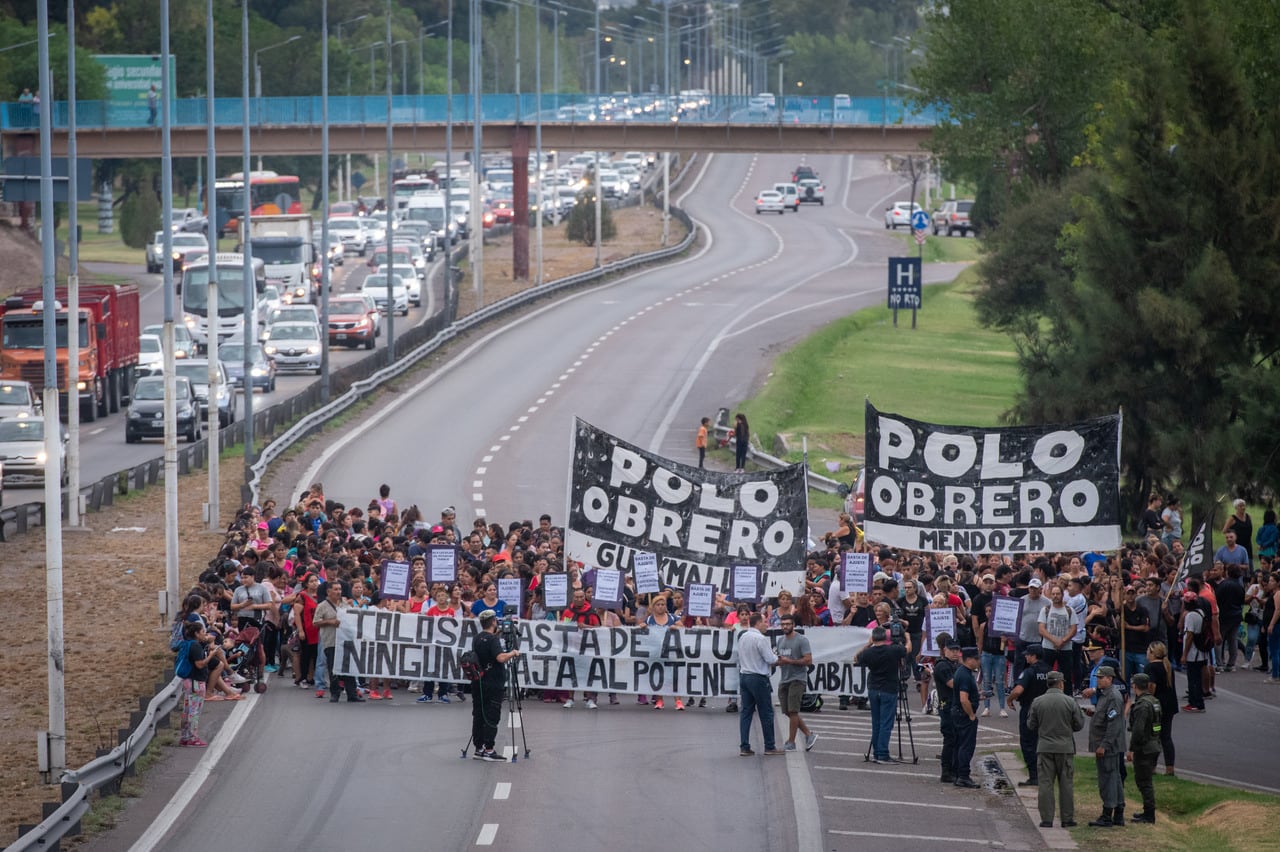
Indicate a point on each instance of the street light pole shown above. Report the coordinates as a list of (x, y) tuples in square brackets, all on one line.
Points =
[(476, 247), (246, 218), (598, 201), (172, 578), (73, 280), (323, 250), (341, 24), (211, 298), (391, 207)]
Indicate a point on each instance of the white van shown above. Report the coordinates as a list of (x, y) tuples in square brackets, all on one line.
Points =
[(790, 195)]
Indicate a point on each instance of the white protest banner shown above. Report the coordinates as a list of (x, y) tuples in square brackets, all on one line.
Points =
[(987, 490), (442, 564), (395, 580), (746, 584), (688, 661), (1006, 617), (859, 574), (608, 589), (645, 566), (555, 591), (511, 592), (698, 522), (699, 598), (937, 622)]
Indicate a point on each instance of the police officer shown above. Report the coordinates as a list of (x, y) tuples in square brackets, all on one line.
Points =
[(1031, 684), (943, 673), (965, 714), (1106, 740), (1144, 743)]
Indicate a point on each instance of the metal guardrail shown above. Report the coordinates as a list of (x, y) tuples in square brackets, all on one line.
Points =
[(103, 772)]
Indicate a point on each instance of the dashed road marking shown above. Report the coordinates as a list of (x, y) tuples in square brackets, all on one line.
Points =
[(487, 833)]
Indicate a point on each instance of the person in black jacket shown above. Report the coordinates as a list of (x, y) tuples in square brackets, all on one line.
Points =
[(943, 677), (486, 706)]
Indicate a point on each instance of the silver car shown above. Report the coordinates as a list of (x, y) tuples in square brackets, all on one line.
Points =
[(293, 346), (18, 399), (22, 452), (197, 372)]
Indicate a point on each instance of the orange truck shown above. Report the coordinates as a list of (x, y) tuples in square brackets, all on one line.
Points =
[(108, 323)]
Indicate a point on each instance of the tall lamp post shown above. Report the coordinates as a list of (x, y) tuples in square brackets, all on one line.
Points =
[(357, 19), (257, 67)]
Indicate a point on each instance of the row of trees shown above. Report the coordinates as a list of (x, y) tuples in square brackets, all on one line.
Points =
[(1125, 155)]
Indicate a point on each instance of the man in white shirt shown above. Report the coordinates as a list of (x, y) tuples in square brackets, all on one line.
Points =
[(1057, 632), (1076, 599), (756, 660)]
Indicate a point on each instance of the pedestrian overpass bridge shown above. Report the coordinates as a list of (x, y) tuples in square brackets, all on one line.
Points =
[(357, 125)]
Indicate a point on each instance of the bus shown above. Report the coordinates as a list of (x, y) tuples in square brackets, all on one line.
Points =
[(409, 186), (270, 194), (195, 295)]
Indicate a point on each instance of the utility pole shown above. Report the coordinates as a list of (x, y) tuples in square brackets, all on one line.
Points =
[(211, 229), (73, 280), (170, 370)]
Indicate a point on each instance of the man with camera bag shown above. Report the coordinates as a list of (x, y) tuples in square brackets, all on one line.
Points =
[(883, 660), (489, 690)]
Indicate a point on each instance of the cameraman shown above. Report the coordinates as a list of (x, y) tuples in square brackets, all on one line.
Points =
[(883, 660), (486, 704)]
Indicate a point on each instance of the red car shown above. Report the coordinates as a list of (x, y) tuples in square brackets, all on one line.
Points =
[(343, 208), (353, 321)]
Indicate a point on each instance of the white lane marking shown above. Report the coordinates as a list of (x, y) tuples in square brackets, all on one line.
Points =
[(187, 792), (532, 409), (878, 771), (665, 425), (896, 802), (951, 839), (495, 448), (479, 483), (481, 471), (502, 790), (804, 800), (477, 498), (803, 308), (542, 400), (551, 392), (577, 363), (505, 438), (98, 431), (523, 418), (556, 384), (487, 833), (515, 428), (875, 205), (487, 459)]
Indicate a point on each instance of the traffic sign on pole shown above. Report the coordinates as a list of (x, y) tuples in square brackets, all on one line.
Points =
[(921, 236), (920, 221)]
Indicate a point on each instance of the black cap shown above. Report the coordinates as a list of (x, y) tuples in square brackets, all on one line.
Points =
[(969, 653), (1034, 648)]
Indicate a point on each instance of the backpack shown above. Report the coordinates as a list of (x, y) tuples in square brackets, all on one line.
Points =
[(1203, 641), (470, 665), (175, 635), (182, 666)]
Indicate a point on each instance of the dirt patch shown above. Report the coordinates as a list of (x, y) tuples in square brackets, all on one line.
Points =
[(21, 267), (1246, 822), (116, 645), (639, 230)]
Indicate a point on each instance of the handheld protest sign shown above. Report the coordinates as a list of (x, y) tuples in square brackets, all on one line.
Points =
[(699, 599), (645, 565), (857, 573), (746, 583), (555, 591), (937, 622), (442, 564), (395, 580), (1006, 617), (511, 591), (608, 589)]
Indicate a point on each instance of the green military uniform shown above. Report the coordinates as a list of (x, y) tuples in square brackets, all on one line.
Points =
[(1055, 717), (1145, 719), (1106, 734)]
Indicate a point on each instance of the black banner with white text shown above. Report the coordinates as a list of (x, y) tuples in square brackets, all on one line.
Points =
[(992, 490)]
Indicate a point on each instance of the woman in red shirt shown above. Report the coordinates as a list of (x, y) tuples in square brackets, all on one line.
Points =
[(308, 633), (441, 608)]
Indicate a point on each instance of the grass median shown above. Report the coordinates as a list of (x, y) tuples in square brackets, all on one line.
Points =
[(1190, 817), (947, 370)]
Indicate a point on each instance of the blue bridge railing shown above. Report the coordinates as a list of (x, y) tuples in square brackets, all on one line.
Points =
[(433, 109)]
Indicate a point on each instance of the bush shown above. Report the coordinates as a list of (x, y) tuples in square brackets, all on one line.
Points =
[(140, 217), (582, 221)]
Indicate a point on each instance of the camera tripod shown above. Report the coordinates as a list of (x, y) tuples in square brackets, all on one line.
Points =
[(903, 715), (515, 710)]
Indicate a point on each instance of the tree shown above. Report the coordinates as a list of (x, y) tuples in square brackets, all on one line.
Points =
[(582, 221), (1170, 310), (140, 217)]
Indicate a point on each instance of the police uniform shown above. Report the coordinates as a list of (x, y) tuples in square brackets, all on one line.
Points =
[(1033, 683), (1145, 724), (1107, 734), (943, 671), (966, 728)]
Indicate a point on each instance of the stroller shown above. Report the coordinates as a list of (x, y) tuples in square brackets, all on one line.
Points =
[(247, 657)]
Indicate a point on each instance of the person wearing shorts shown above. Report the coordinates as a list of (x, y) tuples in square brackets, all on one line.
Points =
[(794, 659)]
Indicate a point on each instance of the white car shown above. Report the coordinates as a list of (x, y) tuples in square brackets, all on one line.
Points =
[(22, 454), (150, 356), (812, 191), (293, 346), (376, 286), (899, 215), (352, 233), (790, 195), (411, 284), (639, 159), (375, 227), (18, 399), (770, 201)]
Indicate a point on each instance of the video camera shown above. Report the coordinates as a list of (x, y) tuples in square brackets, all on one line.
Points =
[(507, 629)]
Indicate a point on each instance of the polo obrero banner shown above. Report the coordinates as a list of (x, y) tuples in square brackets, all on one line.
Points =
[(992, 490)]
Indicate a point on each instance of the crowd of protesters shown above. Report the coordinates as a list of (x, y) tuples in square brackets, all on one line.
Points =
[(286, 574)]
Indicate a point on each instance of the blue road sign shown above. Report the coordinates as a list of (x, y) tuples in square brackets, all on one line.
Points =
[(920, 220), (905, 278)]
